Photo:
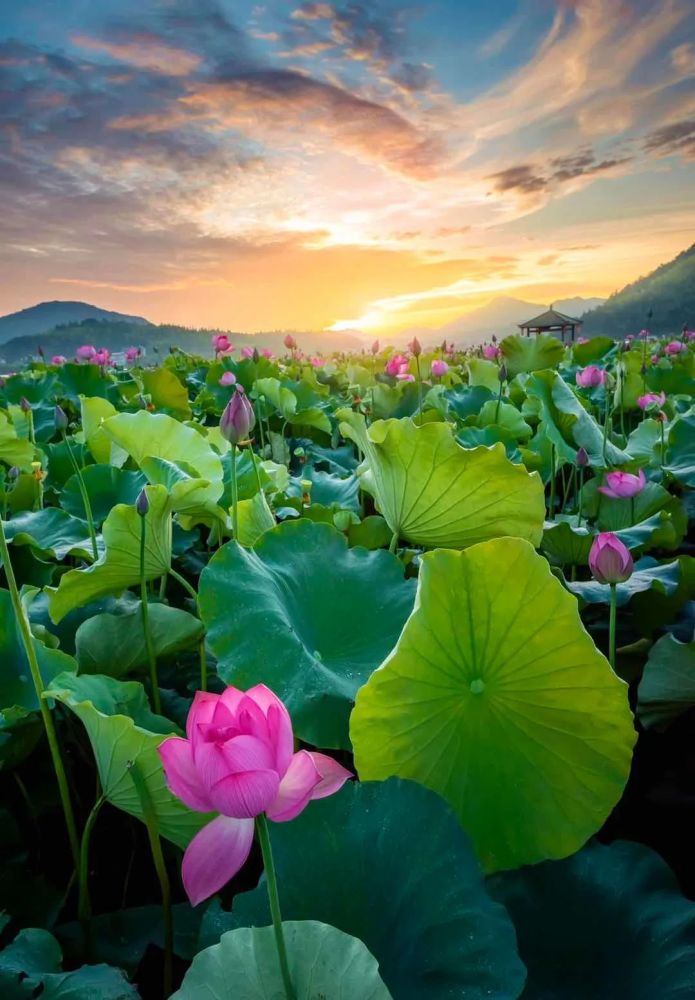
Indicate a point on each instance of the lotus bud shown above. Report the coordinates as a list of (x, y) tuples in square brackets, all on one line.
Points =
[(375, 347), (256, 356), (142, 504), (415, 347), (238, 418), (289, 342), (61, 419), (582, 458), (24, 405), (13, 472), (609, 560), (502, 373)]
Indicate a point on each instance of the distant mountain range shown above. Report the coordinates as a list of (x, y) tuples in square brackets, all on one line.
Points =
[(48, 315)]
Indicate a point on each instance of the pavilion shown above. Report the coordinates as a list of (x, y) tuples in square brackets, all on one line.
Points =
[(552, 322)]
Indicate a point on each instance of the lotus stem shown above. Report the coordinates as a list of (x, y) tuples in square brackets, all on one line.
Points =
[(235, 497), (47, 718), (611, 624), (663, 446), (553, 475), (274, 901), (419, 386), (145, 611), (580, 497), (84, 905), (85, 497), (150, 817), (394, 542), (201, 648)]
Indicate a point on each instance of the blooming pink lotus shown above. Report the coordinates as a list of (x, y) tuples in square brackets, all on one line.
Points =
[(316, 362), (132, 354), (590, 377), (491, 352), (651, 399), (247, 352), (58, 359), (405, 376), (102, 357), (675, 347), (654, 359), (86, 352), (227, 378), (220, 343), (267, 353), (395, 364), (238, 759), (609, 560), (439, 368), (623, 485)]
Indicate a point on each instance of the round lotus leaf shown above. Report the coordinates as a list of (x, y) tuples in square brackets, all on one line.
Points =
[(306, 615), (497, 698)]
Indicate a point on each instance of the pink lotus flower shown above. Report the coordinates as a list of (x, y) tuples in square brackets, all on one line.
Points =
[(316, 362), (582, 340), (86, 352), (675, 347), (58, 359), (405, 377), (238, 759), (246, 352), (394, 364), (132, 353), (491, 352), (609, 560), (623, 485), (439, 368), (415, 348), (654, 359), (102, 357), (228, 378), (220, 343), (267, 353), (651, 399), (289, 342), (590, 377)]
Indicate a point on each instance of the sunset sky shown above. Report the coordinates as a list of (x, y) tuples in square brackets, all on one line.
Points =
[(376, 165)]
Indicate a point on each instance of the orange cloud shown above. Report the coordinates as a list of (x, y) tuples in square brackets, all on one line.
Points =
[(146, 52)]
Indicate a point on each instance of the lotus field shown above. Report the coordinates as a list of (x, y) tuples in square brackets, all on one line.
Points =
[(349, 678)]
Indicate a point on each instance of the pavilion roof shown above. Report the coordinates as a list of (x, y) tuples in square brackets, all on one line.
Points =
[(550, 318)]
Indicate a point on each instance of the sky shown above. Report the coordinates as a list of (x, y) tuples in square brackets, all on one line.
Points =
[(339, 165)]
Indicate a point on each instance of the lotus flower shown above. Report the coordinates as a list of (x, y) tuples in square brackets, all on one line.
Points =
[(491, 352), (58, 359), (289, 342), (623, 485), (220, 343), (439, 368), (590, 377), (267, 353), (238, 418), (228, 378), (582, 340), (654, 359), (86, 352), (651, 399), (582, 458), (375, 347), (405, 376), (316, 362), (395, 364), (415, 347), (238, 759), (247, 352), (132, 354), (609, 560), (675, 347), (101, 357)]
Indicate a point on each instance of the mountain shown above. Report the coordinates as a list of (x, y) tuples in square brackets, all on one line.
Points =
[(117, 335), (47, 315), (668, 293)]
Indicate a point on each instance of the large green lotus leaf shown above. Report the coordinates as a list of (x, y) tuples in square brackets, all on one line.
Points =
[(648, 575), (644, 444), (566, 545), (328, 489), (52, 532), (115, 644), (190, 496), (400, 400), (652, 609), (94, 411), (592, 350), (609, 923), (106, 487), (531, 354), (166, 392), (119, 566), (681, 450), (122, 729), (505, 416), (16, 687), (467, 401), (156, 435), (325, 964), (75, 380), (496, 697), (433, 492), (255, 518), (36, 386), (282, 398), (474, 437), (629, 383), (667, 688), (567, 422), (306, 615), (483, 374), (387, 860), (31, 966), (612, 514), (14, 450)]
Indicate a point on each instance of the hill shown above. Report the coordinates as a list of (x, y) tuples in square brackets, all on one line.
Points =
[(118, 335), (668, 292), (48, 315)]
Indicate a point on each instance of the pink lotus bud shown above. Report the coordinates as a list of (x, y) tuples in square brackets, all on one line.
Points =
[(439, 368), (61, 419), (238, 418), (590, 377), (58, 359), (415, 347), (220, 343), (289, 342), (316, 362), (239, 760), (675, 347), (609, 560), (86, 352), (623, 485), (491, 352), (267, 353), (582, 458), (246, 352), (132, 353), (101, 357), (24, 405), (142, 504), (228, 378), (654, 359), (375, 347), (651, 399)]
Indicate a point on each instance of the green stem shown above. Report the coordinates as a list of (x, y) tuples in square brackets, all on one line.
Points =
[(145, 611), (84, 905), (622, 401), (499, 401), (611, 625), (191, 591), (30, 424), (49, 725), (235, 497), (274, 901), (85, 498), (580, 497), (663, 446), (605, 429), (150, 817), (419, 386), (259, 420), (553, 475), (394, 542), (254, 462), (201, 648), (632, 510)]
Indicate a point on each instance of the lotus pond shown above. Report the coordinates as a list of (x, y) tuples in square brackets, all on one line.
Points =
[(361, 677)]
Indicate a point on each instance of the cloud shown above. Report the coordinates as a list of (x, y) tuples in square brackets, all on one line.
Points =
[(145, 51), (678, 137), (530, 180)]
